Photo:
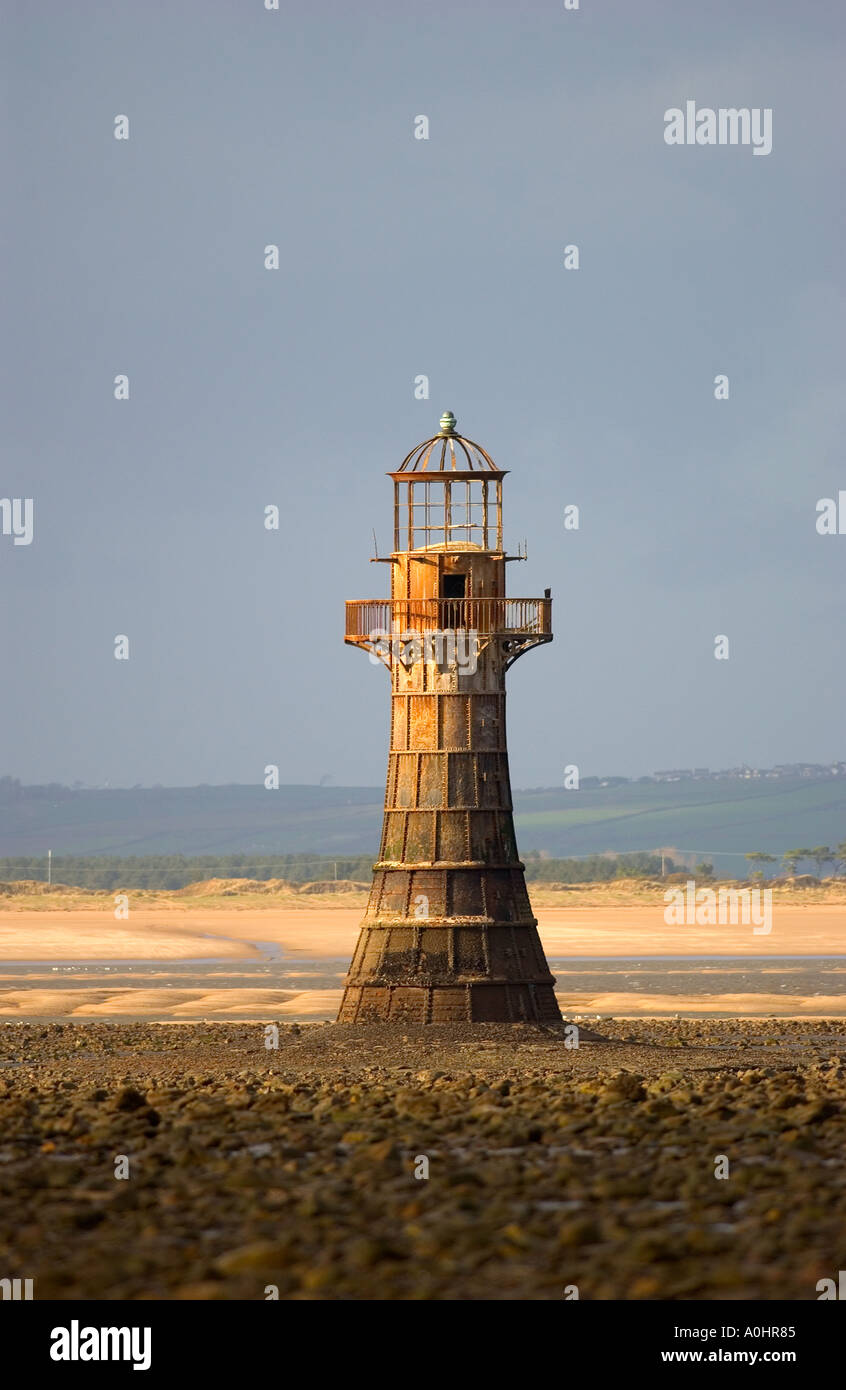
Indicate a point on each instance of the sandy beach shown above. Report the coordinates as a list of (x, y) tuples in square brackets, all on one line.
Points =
[(67, 956), (187, 933)]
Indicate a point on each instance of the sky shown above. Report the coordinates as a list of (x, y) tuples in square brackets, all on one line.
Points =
[(400, 257)]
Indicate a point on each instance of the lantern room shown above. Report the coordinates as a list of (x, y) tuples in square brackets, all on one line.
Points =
[(448, 495)]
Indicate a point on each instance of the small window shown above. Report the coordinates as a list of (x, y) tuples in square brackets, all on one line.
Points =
[(453, 588)]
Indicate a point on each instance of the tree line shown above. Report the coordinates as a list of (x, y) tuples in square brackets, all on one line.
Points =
[(171, 871), (179, 870), (819, 856)]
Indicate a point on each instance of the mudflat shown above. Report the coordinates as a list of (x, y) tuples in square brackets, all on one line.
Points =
[(674, 1160)]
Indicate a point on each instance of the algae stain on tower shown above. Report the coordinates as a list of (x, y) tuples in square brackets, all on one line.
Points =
[(448, 934)]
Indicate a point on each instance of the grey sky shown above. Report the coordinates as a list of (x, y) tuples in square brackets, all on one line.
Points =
[(399, 257)]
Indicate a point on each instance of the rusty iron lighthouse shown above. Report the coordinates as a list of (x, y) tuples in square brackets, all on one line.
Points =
[(448, 934)]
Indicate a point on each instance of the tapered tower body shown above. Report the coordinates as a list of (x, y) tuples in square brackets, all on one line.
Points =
[(448, 934)]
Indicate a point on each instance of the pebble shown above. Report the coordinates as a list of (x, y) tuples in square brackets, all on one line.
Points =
[(302, 1170)]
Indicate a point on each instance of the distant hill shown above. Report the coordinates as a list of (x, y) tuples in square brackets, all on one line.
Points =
[(192, 820), (717, 819)]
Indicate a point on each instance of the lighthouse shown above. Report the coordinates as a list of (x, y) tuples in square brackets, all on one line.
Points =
[(448, 935)]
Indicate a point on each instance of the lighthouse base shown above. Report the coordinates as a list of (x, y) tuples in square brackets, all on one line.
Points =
[(473, 1002)]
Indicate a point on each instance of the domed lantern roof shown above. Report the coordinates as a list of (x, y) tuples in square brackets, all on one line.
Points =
[(449, 452)]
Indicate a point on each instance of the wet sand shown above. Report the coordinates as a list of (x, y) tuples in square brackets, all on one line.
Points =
[(161, 1004)]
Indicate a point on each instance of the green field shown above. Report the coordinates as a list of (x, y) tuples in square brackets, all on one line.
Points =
[(718, 820)]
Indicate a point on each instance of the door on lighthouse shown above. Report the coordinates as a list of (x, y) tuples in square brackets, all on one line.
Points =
[(453, 586)]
